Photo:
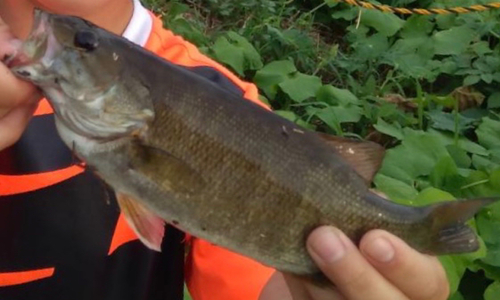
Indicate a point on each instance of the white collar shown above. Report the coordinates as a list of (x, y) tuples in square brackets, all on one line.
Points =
[(140, 25)]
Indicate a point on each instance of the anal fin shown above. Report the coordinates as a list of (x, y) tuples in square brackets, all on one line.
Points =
[(148, 226), (457, 239)]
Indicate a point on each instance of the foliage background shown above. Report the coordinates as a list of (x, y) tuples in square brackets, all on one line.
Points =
[(425, 87)]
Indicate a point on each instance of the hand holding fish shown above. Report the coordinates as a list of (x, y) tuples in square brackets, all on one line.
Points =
[(18, 98), (384, 267)]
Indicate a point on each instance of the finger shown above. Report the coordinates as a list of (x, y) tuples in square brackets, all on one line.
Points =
[(15, 92), (352, 274), (276, 288), (302, 289), (318, 293), (13, 124), (297, 288), (6, 46), (405, 267)]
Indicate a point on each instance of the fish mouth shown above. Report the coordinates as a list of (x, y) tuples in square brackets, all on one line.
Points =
[(39, 48)]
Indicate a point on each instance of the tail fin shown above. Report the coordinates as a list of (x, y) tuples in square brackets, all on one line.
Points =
[(450, 234)]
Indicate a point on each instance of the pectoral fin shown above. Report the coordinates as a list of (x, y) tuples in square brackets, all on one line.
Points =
[(159, 166), (364, 156), (149, 227)]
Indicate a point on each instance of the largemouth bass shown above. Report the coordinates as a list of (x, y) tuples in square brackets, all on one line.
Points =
[(177, 148)]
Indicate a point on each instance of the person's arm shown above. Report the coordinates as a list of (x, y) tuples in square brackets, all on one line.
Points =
[(18, 99)]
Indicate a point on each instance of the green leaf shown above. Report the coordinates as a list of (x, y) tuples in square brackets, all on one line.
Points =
[(396, 190), (489, 229), (493, 256), (491, 272), (471, 80), (453, 41), (346, 14), (332, 95), (410, 45), (235, 51), (483, 163), (481, 48), (494, 100), (291, 116), (386, 24), (496, 76), (187, 30), (493, 291), (488, 133), (446, 121), (229, 54), (495, 180), (416, 156), (462, 160), (372, 47), (488, 226), (445, 175), (492, 212), (416, 26), (252, 57), (413, 56), (475, 112), (488, 77), (454, 271), (333, 116), (348, 114), (176, 9), (456, 296), (445, 21), (432, 195), (300, 86), (273, 74), (389, 129), (481, 184), (464, 143)]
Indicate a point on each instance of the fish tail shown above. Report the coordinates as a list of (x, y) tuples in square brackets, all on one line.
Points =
[(449, 233)]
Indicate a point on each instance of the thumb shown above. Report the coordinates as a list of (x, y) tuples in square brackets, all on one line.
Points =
[(12, 125), (406, 268)]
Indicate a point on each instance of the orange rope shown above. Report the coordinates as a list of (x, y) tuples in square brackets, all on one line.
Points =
[(424, 11)]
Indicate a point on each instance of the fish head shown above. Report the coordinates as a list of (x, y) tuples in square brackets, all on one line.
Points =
[(78, 67)]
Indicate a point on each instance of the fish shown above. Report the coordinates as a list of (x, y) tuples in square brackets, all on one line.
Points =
[(178, 149)]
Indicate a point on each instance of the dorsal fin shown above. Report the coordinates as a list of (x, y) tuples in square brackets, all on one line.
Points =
[(364, 156)]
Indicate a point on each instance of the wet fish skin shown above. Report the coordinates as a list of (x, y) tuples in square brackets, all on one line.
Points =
[(213, 164)]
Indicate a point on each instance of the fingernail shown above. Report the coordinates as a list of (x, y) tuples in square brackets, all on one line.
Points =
[(327, 245), (380, 250)]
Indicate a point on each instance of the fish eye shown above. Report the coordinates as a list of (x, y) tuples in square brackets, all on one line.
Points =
[(86, 40)]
